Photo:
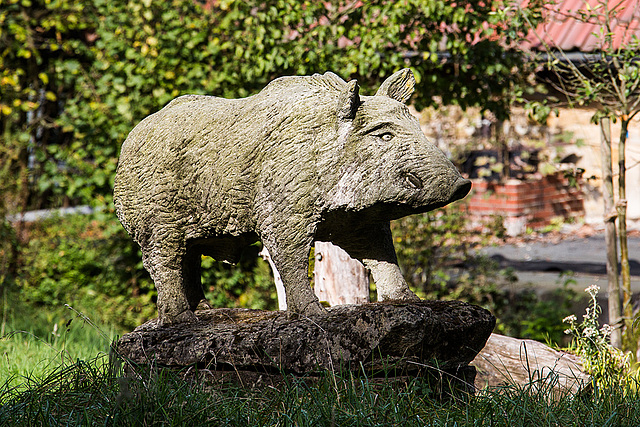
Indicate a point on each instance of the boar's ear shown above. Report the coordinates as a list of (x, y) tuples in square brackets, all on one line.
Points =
[(399, 86), (349, 101)]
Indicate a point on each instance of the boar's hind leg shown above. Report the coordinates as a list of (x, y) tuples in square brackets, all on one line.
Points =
[(166, 270), (373, 246)]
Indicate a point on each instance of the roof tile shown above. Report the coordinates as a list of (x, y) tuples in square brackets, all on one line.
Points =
[(563, 30)]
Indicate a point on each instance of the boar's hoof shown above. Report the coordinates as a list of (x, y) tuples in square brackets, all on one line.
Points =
[(404, 296), (204, 305), (312, 309), (186, 316), (409, 296)]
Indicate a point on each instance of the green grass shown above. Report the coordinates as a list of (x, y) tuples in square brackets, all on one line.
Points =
[(35, 341), (64, 376), (97, 393)]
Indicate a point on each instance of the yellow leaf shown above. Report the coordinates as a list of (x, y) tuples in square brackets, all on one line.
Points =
[(6, 110), (24, 53), (44, 78), (50, 96)]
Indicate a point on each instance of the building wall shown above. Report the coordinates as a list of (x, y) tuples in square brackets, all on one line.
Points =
[(571, 132), (578, 121)]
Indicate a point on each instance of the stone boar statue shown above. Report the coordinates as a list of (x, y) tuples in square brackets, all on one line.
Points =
[(305, 159)]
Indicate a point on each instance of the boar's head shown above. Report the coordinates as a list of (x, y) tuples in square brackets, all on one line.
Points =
[(385, 167)]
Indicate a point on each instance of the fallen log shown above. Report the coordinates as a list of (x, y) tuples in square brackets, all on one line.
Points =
[(512, 361)]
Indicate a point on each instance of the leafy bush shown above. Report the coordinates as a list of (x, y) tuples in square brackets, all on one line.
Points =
[(8, 249), (246, 284), (90, 263), (77, 76)]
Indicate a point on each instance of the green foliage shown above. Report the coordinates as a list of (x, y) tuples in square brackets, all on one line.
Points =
[(8, 250), (78, 75), (426, 244), (453, 47), (90, 263), (247, 284), (606, 364), (526, 313), (42, 45)]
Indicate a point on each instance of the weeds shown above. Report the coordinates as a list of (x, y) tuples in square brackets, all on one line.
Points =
[(606, 364)]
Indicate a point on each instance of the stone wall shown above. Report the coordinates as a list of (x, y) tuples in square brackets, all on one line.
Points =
[(525, 204)]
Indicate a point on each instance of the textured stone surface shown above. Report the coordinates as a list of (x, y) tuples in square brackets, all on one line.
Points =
[(306, 159), (408, 336)]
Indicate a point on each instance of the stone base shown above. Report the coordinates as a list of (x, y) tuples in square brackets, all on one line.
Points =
[(430, 339)]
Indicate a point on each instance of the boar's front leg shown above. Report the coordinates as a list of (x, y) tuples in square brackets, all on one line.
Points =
[(373, 246), (291, 258)]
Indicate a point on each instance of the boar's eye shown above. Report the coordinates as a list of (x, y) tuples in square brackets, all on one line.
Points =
[(386, 137)]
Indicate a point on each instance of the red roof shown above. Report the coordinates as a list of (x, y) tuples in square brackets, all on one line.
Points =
[(563, 28)]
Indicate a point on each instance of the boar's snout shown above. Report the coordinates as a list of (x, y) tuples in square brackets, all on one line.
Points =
[(461, 189)]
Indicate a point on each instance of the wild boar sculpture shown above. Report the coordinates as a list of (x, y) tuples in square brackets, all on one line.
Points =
[(305, 159)]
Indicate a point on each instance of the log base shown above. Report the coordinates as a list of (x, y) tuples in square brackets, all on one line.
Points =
[(434, 340)]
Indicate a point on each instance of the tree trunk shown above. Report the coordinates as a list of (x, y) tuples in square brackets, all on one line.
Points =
[(338, 278), (610, 232), (503, 151), (625, 271)]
